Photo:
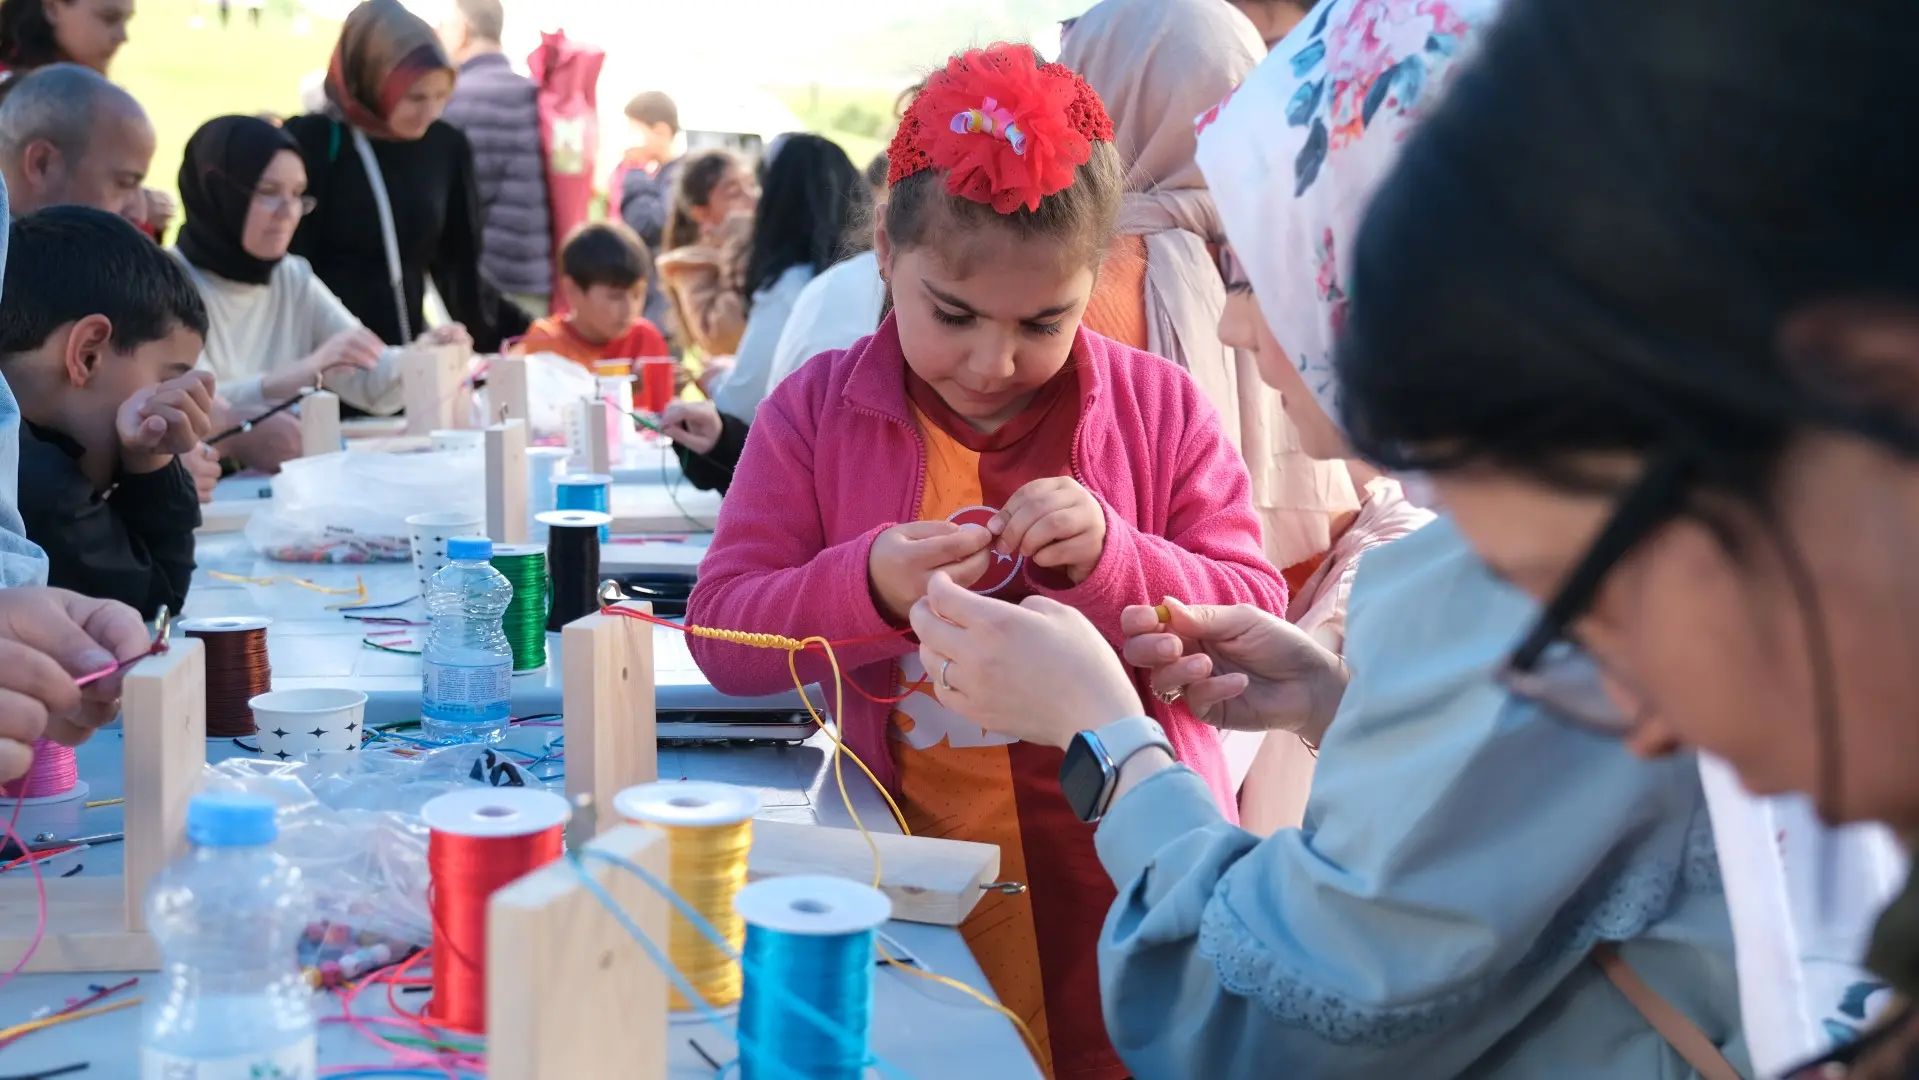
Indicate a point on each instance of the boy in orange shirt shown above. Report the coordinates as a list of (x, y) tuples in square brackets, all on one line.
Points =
[(604, 270)]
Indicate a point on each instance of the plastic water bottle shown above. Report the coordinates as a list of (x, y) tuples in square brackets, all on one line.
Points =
[(228, 917), (468, 664)]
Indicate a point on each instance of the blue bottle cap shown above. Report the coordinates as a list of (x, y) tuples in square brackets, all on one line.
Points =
[(231, 820), (469, 549)]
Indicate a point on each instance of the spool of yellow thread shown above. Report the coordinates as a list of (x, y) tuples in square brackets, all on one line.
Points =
[(709, 830)]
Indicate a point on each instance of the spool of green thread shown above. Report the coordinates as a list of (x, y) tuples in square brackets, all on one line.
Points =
[(524, 566)]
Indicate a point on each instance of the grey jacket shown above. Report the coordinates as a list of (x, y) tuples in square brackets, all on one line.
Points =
[(498, 109)]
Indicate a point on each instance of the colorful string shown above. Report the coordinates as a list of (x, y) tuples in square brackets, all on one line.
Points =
[(525, 620), (55, 771), (466, 871)]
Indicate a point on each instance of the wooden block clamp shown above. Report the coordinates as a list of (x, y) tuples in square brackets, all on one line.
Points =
[(506, 478), (320, 424), (608, 699), (506, 392), (569, 994), (432, 375), (586, 437), (99, 923)]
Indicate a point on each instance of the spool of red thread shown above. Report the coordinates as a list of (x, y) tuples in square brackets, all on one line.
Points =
[(479, 841)]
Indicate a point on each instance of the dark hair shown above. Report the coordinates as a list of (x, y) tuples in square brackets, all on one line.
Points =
[(1084, 215), (812, 202), (605, 253), (26, 37), (67, 262), (1594, 241), (653, 107), (699, 173), (877, 169), (485, 18)]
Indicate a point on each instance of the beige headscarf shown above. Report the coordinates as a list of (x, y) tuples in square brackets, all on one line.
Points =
[(1159, 64)]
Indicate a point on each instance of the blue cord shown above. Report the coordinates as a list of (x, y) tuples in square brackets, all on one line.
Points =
[(698, 921)]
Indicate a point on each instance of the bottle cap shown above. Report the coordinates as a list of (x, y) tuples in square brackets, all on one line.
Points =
[(469, 549), (231, 820)]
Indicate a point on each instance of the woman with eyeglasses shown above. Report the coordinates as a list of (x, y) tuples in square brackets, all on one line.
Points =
[(1661, 363), (274, 326), (1479, 889)]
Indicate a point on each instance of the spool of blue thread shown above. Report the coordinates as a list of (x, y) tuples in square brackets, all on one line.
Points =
[(585, 491), (811, 939)]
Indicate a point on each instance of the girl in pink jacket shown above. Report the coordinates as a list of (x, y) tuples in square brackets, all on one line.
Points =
[(981, 431)]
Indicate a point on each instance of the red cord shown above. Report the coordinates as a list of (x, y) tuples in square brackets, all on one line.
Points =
[(811, 648), (466, 871)]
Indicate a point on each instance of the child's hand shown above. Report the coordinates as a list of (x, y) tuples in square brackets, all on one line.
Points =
[(693, 424), (1055, 523), (905, 556), (358, 348), (203, 462), (160, 422)]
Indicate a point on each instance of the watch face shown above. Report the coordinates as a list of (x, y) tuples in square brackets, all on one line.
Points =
[(1085, 776)]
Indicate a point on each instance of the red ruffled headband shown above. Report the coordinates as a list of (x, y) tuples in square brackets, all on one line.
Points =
[(1008, 130)]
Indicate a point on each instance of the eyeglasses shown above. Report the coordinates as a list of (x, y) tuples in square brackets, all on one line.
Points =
[(301, 205), (1550, 667)]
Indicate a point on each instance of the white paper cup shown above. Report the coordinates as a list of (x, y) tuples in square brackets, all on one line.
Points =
[(295, 723), (430, 534), (450, 439)]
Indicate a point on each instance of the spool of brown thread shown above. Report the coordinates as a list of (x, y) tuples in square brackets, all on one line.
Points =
[(237, 671)]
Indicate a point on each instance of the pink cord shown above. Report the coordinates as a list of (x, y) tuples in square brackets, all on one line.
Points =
[(40, 886)]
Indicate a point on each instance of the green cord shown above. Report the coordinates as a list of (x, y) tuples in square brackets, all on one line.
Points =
[(525, 621)]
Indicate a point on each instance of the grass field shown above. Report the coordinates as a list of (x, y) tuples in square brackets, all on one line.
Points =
[(186, 70)]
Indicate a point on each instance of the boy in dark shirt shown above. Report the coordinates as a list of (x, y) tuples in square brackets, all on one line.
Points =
[(99, 333)]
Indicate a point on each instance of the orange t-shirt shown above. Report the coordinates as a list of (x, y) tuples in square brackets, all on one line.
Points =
[(1039, 950), (642, 341)]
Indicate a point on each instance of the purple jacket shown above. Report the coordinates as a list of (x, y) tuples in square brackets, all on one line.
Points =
[(834, 458), (499, 111)]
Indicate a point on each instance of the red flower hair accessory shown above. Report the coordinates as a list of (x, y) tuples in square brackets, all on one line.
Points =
[(1008, 130)]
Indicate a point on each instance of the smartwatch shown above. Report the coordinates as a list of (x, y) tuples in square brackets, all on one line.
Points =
[(1090, 772)]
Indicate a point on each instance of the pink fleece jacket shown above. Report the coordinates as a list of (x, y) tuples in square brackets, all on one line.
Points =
[(834, 458)]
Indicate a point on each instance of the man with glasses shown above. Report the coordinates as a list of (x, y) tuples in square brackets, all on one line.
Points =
[(70, 137)]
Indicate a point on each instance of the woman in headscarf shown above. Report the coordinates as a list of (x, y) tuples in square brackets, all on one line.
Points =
[(1479, 890), (395, 186), (1660, 364), (1158, 64), (274, 328)]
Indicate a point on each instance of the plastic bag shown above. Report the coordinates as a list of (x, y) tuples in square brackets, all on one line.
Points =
[(351, 507), (553, 384), (351, 823)]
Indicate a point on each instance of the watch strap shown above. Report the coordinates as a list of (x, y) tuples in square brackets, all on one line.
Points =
[(1127, 736)]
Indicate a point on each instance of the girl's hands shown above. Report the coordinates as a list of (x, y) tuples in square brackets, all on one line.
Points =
[(905, 556), (450, 334), (1055, 523), (1237, 667), (203, 463)]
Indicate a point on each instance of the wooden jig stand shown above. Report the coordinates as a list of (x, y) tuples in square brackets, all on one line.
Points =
[(586, 437), (610, 728), (99, 923), (432, 375), (506, 392), (320, 424), (569, 994), (610, 746), (506, 477)]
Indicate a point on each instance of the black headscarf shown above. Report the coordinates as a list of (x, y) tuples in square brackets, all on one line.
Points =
[(223, 165)]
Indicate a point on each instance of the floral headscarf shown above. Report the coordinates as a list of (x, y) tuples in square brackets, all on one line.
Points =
[(1295, 154)]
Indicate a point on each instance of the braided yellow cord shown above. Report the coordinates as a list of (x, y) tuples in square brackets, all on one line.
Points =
[(742, 637)]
